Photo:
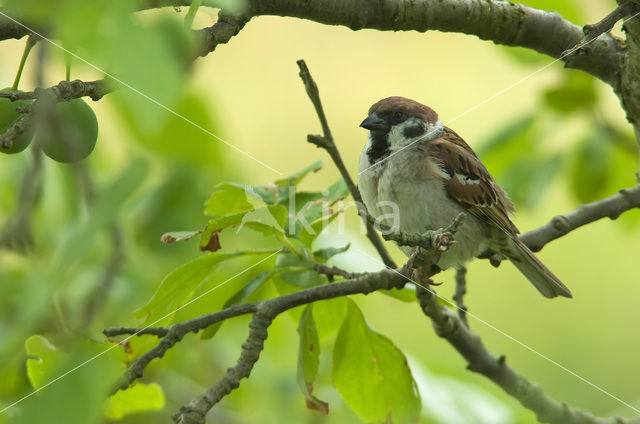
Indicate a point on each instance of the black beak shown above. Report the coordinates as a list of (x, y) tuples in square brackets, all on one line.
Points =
[(375, 123)]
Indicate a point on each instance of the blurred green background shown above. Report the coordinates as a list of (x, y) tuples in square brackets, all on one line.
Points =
[(553, 140)]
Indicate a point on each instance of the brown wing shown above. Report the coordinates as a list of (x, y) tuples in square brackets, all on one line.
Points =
[(469, 182)]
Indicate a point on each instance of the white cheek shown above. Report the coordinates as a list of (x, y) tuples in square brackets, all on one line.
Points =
[(398, 141)]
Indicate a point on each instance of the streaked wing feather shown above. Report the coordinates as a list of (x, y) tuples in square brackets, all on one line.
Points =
[(470, 184)]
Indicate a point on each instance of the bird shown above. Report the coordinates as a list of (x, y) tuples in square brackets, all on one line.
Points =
[(416, 174)]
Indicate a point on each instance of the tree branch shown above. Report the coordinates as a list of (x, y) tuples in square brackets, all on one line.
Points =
[(461, 290), (561, 225), (362, 284), (593, 31), (327, 143), (451, 328), (502, 22), (45, 97)]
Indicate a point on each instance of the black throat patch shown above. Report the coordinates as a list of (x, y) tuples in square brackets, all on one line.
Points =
[(379, 148)]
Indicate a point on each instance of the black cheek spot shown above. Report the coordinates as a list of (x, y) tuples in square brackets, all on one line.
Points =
[(413, 131)]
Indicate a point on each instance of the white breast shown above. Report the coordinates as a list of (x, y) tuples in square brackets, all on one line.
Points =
[(408, 190)]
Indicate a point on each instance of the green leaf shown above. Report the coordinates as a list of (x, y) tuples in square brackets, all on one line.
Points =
[(591, 165), (43, 360), (406, 294), (229, 199), (178, 287), (179, 141), (309, 359), (327, 253), (311, 206), (268, 220), (527, 178), (576, 92), (240, 297), (88, 385), (329, 316), (137, 398), (308, 235), (304, 278), (512, 132), (372, 375), (278, 191), (296, 178)]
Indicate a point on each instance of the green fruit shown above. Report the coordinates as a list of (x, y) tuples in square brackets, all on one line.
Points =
[(8, 116), (68, 132)]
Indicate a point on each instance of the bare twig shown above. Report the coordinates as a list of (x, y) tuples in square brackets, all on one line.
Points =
[(332, 271), (327, 143), (221, 32), (593, 31)]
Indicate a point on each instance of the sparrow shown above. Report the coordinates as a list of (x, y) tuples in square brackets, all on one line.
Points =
[(417, 174)]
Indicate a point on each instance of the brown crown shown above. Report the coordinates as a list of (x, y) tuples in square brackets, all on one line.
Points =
[(409, 107)]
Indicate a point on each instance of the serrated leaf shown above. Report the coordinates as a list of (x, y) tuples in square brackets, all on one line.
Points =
[(372, 375), (328, 252), (178, 287), (43, 360), (137, 398), (309, 359)]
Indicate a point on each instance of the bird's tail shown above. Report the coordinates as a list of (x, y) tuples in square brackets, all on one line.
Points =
[(540, 276)]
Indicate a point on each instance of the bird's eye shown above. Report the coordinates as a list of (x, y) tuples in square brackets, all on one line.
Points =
[(398, 115)]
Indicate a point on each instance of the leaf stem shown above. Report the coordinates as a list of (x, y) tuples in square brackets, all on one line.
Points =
[(67, 73), (285, 240), (31, 41), (191, 13)]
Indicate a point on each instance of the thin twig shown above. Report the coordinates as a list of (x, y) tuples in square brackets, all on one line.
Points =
[(461, 290), (327, 143), (593, 31)]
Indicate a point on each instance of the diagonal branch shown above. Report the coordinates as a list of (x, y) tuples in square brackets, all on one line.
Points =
[(451, 328)]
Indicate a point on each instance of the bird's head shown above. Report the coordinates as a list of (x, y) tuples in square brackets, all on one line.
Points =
[(396, 122)]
